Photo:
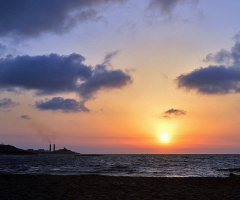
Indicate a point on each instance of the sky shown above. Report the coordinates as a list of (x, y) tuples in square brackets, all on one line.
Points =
[(112, 76)]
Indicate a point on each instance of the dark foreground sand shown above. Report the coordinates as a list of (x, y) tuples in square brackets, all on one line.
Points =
[(106, 187)]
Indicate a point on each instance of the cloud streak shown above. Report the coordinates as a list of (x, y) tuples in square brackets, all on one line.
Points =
[(61, 104), (215, 79), (109, 57), (26, 117), (174, 112), (52, 74)]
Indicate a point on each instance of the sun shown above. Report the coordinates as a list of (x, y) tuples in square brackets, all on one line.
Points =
[(164, 137)]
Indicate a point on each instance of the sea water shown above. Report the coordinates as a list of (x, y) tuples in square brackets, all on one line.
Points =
[(185, 165)]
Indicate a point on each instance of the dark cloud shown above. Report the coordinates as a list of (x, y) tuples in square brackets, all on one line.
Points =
[(167, 6), (48, 73), (30, 18), (59, 103), (6, 103), (51, 74), (174, 112), (212, 80), (102, 78), (26, 117), (215, 79)]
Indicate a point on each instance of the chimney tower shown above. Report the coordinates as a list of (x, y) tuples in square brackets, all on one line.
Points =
[(50, 148), (54, 147)]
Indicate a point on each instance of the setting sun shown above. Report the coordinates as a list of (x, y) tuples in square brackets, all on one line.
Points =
[(164, 137)]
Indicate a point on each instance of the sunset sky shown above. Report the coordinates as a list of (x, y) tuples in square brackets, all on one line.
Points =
[(111, 76)]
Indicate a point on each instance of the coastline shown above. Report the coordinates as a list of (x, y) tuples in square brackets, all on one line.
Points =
[(22, 186)]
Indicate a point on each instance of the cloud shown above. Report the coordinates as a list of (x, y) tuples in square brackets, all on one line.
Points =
[(226, 57), (215, 79), (221, 57), (102, 78), (109, 57), (26, 117), (6, 103), (59, 103), (212, 80), (51, 16), (235, 54), (31, 18), (174, 112), (167, 6), (52, 74)]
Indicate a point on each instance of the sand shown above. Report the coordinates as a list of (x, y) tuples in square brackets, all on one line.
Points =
[(107, 187)]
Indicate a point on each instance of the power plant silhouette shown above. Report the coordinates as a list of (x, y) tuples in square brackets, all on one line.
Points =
[(50, 147), (52, 150)]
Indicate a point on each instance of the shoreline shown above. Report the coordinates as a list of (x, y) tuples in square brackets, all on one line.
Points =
[(23, 186)]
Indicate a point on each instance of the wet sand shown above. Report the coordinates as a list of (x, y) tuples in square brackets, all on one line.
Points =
[(107, 187)]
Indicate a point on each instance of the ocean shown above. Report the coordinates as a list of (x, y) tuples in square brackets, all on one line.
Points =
[(156, 165)]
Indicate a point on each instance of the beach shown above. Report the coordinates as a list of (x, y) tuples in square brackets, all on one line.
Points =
[(19, 186)]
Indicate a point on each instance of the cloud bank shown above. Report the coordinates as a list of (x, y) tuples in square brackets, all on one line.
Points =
[(52, 74), (215, 79), (31, 18), (59, 103), (174, 112)]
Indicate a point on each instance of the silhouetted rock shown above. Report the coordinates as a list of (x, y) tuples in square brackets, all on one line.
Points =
[(11, 150), (64, 151)]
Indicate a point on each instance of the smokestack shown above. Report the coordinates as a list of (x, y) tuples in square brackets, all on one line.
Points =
[(50, 148), (54, 147)]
